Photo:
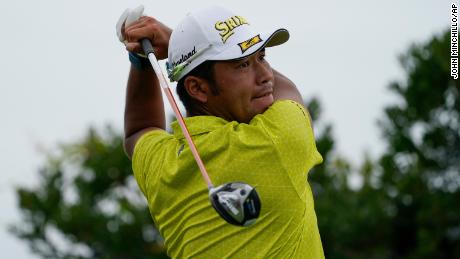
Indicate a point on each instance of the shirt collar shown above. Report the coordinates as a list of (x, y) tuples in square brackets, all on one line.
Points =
[(198, 125)]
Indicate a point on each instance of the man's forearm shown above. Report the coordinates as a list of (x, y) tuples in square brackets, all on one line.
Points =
[(144, 103), (284, 88)]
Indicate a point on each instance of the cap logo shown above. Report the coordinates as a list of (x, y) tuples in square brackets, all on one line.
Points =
[(245, 45), (226, 27), (176, 68), (185, 57)]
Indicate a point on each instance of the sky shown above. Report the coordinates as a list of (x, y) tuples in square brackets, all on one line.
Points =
[(63, 70)]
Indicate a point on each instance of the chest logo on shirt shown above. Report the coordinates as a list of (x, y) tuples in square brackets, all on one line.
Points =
[(245, 45), (226, 27), (181, 148)]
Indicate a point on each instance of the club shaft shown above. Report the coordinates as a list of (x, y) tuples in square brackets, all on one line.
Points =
[(167, 90)]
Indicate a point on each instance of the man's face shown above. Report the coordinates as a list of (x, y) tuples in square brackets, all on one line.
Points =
[(245, 88)]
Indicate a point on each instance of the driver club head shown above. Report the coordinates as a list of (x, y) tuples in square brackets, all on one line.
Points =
[(238, 203)]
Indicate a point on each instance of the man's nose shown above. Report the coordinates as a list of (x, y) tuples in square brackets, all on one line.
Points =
[(264, 73)]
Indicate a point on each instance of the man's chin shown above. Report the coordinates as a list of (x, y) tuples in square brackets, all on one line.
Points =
[(261, 104)]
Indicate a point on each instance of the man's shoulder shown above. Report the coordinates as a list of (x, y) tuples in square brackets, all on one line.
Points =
[(282, 114), (150, 140), (287, 105), (157, 135)]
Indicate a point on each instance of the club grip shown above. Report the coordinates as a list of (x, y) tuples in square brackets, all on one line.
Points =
[(147, 46)]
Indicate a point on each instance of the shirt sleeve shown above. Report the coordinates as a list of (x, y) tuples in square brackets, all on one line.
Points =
[(289, 125), (146, 152)]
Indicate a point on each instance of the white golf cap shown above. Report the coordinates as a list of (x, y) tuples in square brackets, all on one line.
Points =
[(215, 33)]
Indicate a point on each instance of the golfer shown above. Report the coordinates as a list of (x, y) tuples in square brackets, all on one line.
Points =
[(248, 123)]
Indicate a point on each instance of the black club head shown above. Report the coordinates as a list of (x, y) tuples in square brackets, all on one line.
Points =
[(238, 203)]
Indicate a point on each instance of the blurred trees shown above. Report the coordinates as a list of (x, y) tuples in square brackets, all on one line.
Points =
[(409, 202), (87, 204), (420, 170)]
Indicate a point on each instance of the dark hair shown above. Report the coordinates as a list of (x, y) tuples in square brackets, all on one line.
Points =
[(205, 71)]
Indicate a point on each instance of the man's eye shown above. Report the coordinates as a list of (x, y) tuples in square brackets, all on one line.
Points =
[(243, 64), (262, 57)]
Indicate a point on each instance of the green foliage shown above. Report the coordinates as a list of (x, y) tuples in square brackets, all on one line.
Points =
[(408, 205), (87, 205), (422, 161), (352, 222)]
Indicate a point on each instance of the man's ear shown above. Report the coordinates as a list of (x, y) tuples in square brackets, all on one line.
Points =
[(197, 88)]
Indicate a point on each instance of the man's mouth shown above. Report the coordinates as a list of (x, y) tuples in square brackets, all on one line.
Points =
[(263, 100), (264, 94)]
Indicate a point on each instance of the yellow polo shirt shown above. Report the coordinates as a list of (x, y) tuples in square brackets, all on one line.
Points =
[(273, 153)]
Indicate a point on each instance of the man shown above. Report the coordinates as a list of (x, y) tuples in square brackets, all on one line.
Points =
[(248, 123)]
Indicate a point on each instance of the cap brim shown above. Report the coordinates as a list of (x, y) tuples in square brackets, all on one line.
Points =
[(268, 39)]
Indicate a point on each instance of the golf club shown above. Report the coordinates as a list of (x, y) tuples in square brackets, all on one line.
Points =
[(237, 203)]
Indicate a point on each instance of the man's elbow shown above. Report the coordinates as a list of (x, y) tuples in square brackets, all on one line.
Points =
[(128, 148), (130, 140)]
